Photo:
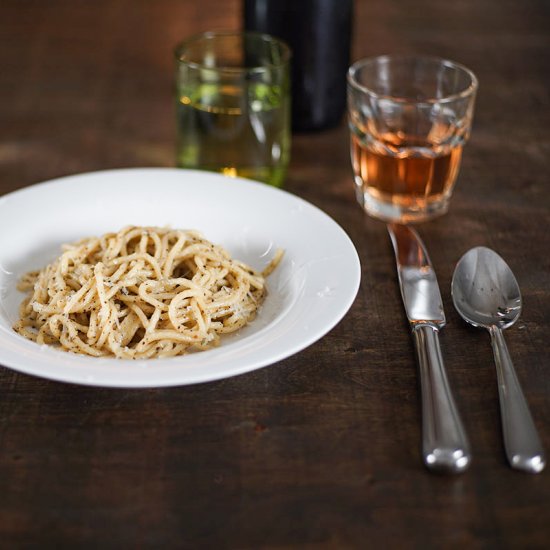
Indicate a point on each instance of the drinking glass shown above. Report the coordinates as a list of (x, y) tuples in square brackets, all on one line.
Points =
[(409, 119), (233, 105)]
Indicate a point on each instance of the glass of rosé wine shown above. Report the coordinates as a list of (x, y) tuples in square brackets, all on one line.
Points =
[(409, 118)]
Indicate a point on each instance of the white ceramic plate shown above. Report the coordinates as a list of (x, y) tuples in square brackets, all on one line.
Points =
[(309, 292)]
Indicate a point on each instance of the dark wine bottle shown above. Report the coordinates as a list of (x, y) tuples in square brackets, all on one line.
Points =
[(319, 34)]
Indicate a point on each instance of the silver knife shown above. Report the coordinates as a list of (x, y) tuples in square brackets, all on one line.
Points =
[(445, 446)]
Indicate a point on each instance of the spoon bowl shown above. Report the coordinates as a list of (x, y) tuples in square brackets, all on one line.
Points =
[(485, 291), (486, 294)]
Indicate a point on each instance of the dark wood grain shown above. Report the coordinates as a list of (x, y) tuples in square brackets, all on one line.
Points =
[(321, 450)]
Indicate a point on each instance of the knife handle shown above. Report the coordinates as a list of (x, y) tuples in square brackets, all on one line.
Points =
[(445, 446)]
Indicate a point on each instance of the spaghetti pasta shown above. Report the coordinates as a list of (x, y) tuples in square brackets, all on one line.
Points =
[(140, 293)]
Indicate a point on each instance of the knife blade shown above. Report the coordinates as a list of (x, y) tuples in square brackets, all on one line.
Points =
[(445, 445)]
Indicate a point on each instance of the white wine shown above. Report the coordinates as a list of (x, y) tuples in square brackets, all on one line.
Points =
[(236, 129)]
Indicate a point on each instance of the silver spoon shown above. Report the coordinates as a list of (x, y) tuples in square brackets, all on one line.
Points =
[(486, 294)]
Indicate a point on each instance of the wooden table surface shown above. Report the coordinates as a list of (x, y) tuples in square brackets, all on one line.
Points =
[(321, 450)]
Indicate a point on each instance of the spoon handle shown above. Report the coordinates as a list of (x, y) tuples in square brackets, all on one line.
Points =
[(444, 443), (521, 441)]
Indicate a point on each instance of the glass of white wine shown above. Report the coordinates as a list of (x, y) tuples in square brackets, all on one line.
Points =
[(233, 105)]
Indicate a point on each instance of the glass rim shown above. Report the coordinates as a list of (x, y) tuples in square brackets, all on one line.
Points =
[(286, 52), (470, 90)]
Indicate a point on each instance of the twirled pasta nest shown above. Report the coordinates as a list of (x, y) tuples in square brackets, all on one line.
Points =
[(142, 292)]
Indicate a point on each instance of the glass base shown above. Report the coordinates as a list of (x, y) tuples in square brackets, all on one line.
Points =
[(272, 175), (392, 212)]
